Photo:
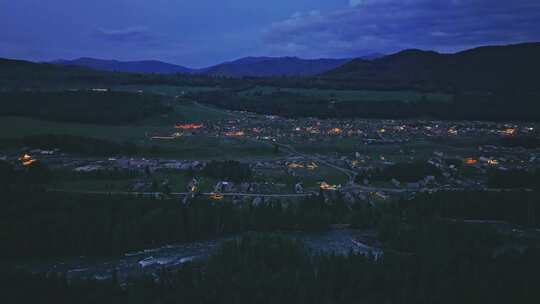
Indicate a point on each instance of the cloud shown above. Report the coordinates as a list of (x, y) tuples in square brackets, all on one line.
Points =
[(133, 33), (390, 25)]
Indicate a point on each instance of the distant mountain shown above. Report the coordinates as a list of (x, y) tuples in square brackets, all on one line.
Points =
[(510, 67), (144, 67), (372, 56), (20, 74), (273, 66)]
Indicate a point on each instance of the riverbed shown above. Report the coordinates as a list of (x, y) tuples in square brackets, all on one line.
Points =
[(150, 261)]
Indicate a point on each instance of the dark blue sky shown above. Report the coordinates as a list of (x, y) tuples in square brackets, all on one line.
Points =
[(204, 32)]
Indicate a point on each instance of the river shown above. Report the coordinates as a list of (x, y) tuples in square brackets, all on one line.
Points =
[(337, 241)]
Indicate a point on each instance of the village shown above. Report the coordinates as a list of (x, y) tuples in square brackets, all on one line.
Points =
[(352, 159)]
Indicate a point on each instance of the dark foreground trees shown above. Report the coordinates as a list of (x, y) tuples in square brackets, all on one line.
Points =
[(497, 106), (273, 269), (111, 108), (44, 224)]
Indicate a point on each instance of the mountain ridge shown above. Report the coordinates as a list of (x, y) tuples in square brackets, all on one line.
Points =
[(482, 68), (243, 67), (273, 66), (142, 66)]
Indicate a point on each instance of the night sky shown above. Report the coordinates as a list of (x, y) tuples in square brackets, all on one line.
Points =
[(204, 32)]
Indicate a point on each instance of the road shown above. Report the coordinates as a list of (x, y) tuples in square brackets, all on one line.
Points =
[(352, 178), (153, 194), (351, 175)]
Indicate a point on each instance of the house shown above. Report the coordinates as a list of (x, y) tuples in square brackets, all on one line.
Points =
[(299, 188), (224, 186)]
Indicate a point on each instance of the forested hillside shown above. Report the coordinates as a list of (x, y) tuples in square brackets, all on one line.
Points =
[(493, 68), (82, 106)]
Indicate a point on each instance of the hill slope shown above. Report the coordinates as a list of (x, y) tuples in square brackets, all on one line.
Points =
[(512, 67), (144, 67), (273, 66)]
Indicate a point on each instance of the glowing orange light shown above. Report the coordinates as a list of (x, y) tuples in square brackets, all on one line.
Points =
[(326, 186), (27, 160), (189, 126), (509, 131), (471, 161), (25, 157), (216, 196), (235, 133), (335, 131)]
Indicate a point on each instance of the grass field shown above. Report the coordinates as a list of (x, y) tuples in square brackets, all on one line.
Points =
[(177, 182), (162, 89), (199, 147), (189, 113), (309, 179), (402, 152), (358, 95)]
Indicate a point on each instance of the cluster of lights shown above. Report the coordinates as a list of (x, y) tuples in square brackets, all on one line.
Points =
[(326, 186), (493, 162), (335, 131), (509, 131), (27, 160), (189, 126), (216, 196), (452, 131), (235, 133), (311, 166)]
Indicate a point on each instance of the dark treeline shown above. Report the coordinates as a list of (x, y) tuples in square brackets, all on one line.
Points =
[(228, 170), (517, 207), (514, 179), (464, 106), (528, 142), (457, 268), (403, 172), (39, 224), (82, 106), (29, 178), (83, 145)]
